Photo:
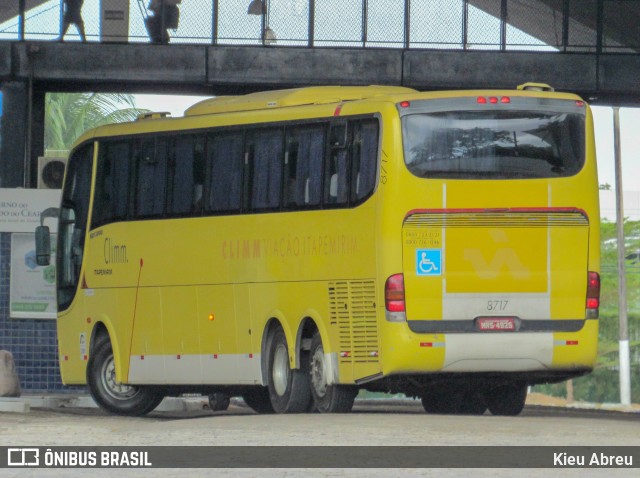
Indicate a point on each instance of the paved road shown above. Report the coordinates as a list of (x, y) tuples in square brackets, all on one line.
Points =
[(380, 423)]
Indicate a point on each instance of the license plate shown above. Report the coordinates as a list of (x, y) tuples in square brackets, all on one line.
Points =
[(496, 324)]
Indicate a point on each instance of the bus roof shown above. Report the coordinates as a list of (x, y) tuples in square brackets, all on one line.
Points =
[(314, 95)]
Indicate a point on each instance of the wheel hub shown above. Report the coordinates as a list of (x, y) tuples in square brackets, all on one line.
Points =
[(280, 369), (117, 390), (318, 380)]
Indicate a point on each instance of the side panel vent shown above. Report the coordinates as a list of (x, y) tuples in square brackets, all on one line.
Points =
[(353, 309)]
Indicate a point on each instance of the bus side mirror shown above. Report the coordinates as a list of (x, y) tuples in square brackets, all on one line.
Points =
[(43, 246)]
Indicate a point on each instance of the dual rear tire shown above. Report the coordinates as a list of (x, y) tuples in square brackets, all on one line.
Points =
[(306, 389), (328, 398), (503, 400)]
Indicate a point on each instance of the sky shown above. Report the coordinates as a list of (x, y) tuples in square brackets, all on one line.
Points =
[(629, 145), (603, 119)]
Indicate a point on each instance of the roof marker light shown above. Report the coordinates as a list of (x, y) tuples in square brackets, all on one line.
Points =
[(505, 99), (405, 104), (482, 100), (493, 100), (579, 103)]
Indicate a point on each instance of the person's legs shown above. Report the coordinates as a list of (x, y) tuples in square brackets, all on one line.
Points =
[(80, 26), (154, 29)]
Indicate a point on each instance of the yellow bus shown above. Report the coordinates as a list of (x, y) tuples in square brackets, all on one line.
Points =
[(294, 247)]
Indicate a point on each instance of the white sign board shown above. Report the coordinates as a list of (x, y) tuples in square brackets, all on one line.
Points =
[(33, 288), (20, 209)]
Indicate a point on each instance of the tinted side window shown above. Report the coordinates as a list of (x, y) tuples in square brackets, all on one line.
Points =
[(186, 178), (151, 177), (226, 164), (364, 159), (336, 182), (112, 183), (265, 168), (303, 166)]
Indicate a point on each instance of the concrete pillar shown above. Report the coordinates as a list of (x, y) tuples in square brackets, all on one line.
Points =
[(21, 139), (13, 134), (36, 134)]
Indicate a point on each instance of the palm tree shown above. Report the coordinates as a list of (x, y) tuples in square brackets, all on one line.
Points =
[(69, 115)]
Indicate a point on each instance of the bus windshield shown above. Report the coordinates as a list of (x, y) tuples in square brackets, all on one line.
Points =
[(494, 144)]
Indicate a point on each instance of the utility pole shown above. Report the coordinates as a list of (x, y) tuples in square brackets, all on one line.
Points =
[(625, 367)]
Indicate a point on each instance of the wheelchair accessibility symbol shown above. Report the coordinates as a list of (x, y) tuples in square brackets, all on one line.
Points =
[(429, 262)]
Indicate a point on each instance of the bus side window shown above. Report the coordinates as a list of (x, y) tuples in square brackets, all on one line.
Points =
[(225, 168), (112, 184), (265, 157), (151, 167), (364, 159), (337, 168), (187, 176), (303, 166), (336, 184)]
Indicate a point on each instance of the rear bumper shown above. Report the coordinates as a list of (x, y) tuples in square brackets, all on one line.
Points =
[(545, 353)]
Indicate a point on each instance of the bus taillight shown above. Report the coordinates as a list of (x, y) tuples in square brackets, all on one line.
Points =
[(394, 298), (593, 295)]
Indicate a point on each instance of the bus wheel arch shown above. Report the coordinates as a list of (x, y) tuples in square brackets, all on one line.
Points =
[(98, 333), (115, 397), (307, 328), (102, 330)]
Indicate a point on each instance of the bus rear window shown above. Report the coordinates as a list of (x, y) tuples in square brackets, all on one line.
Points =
[(496, 144)]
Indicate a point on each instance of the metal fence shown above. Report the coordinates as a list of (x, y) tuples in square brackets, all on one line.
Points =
[(600, 26)]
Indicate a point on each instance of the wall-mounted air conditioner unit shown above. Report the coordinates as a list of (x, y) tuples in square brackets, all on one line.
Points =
[(51, 170)]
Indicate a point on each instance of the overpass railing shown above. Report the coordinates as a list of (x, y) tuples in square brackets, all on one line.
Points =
[(598, 26)]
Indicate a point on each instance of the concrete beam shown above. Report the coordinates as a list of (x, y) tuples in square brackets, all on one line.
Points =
[(206, 69), (5, 59), (303, 66), (475, 69), (620, 74), (102, 62)]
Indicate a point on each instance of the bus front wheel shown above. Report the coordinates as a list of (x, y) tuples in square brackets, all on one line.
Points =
[(288, 388), (112, 395), (327, 398)]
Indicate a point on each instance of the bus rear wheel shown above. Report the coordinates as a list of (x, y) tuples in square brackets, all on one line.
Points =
[(454, 400), (257, 398), (327, 398), (111, 395), (441, 403), (288, 388), (507, 400)]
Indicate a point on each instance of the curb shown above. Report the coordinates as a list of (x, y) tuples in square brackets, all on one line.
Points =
[(25, 403)]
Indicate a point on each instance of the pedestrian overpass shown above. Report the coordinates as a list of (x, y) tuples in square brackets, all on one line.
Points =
[(591, 47)]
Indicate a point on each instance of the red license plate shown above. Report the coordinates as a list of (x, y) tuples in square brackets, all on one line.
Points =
[(496, 324)]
